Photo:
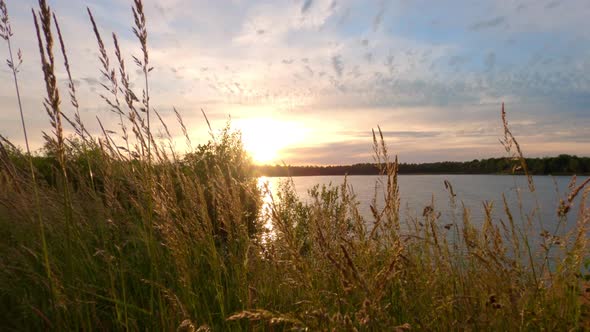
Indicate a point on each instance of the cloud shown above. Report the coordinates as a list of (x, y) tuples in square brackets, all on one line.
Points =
[(494, 22), (457, 60), (333, 4), (306, 5), (337, 64), (360, 150), (552, 4), (162, 10), (91, 81), (349, 152), (379, 17), (395, 134)]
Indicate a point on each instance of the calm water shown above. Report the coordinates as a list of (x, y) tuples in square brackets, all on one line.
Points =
[(418, 191)]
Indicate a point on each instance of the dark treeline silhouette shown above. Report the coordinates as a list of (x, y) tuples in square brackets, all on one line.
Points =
[(560, 165)]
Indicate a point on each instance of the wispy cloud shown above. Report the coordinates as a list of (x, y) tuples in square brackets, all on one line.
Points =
[(337, 64), (552, 4), (380, 14), (494, 22), (306, 5)]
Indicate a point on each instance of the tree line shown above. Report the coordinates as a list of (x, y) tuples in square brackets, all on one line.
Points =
[(561, 165)]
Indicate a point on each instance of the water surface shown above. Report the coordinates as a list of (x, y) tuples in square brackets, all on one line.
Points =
[(419, 191)]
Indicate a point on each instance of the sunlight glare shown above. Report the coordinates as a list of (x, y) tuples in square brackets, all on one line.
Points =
[(264, 138)]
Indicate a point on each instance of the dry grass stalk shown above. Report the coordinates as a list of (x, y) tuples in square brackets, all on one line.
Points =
[(508, 142), (6, 33), (77, 124), (140, 31), (52, 101)]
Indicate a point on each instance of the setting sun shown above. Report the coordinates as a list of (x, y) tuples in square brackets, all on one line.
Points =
[(264, 138)]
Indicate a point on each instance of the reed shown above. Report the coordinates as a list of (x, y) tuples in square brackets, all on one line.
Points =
[(6, 33), (118, 231)]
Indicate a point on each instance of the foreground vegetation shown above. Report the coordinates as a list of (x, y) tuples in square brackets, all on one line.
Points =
[(561, 165), (122, 233)]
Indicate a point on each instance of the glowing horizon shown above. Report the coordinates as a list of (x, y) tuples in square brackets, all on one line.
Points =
[(265, 138)]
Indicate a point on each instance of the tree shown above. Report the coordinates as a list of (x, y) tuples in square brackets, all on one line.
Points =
[(223, 165)]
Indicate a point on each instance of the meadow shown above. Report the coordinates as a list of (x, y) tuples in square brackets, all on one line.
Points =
[(118, 231)]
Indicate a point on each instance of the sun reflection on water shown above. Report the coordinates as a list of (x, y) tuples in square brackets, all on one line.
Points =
[(265, 187)]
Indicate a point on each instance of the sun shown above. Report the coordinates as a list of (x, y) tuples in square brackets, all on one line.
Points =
[(265, 138)]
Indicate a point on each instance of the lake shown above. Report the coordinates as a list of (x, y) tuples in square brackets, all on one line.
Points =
[(417, 192)]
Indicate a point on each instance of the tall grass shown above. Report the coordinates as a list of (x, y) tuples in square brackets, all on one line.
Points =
[(118, 231)]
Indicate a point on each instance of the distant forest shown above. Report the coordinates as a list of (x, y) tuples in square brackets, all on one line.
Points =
[(560, 165)]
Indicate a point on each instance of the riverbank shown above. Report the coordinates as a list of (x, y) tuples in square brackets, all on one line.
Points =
[(559, 165)]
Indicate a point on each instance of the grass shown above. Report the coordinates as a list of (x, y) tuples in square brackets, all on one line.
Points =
[(118, 231)]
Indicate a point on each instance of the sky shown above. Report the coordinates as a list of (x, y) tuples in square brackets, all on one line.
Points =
[(306, 81)]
